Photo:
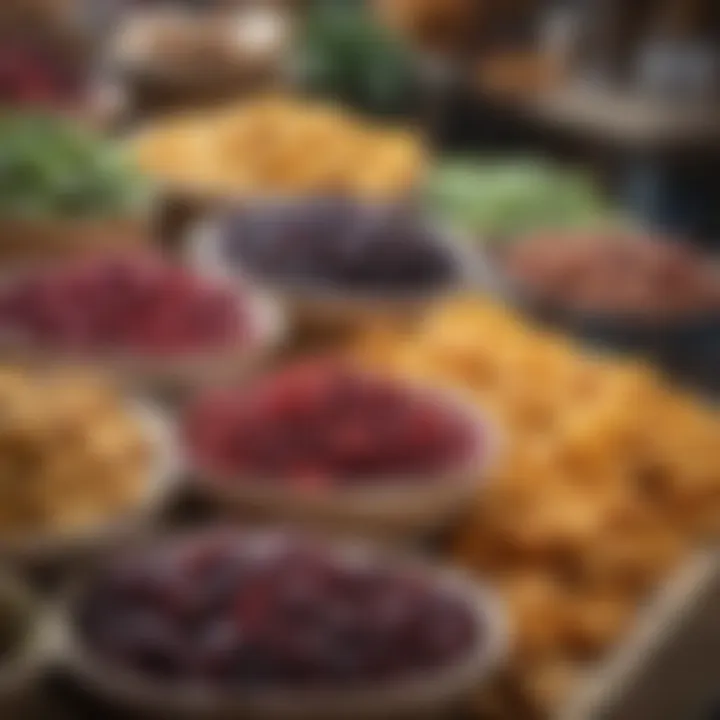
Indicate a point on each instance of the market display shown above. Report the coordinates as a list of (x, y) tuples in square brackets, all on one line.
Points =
[(280, 146), (610, 480), (339, 245), (621, 274), (321, 424), (124, 304), (72, 455), (406, 401), (234, 612)]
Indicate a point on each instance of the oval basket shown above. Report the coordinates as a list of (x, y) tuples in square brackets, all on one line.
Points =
[(426, 694), (401, 508)]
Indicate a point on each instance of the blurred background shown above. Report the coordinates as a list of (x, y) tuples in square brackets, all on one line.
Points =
[(630, 93)]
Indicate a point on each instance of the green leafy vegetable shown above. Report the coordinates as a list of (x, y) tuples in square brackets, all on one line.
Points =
[(347, 55), (50, 167), (503, 199)]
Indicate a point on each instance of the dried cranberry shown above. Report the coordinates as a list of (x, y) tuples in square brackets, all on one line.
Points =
[(123, 303), (321, 423), (296, 613)]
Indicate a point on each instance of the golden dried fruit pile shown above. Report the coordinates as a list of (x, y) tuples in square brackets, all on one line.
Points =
[(608, 479), (272, 146), (71, 456)]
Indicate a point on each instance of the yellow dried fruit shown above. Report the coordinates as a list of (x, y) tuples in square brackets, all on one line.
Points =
[(609, 479), (281, 146), (71, 454)]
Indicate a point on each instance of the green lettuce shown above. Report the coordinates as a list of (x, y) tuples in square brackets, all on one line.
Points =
[(503, 199), (51, 167)]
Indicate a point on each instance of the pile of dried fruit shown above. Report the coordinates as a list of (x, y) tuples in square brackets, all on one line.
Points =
[(240, 611), (339, 244), (281, 146), (619, 273), (609, 479), (71, 455), (122, 304), (322, 424)]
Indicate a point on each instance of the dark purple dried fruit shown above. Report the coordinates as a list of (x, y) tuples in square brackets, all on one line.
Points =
[(339, 244), (272, 610)]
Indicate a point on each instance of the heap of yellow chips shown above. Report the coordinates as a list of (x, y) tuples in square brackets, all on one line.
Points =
[(608, 478), (281, 146), (71, 455)]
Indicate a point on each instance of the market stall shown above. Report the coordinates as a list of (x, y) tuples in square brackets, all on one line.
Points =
[(305, 417)]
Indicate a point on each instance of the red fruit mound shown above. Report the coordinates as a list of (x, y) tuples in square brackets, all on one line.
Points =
[(30, 76), (234, 610), (122, 303), (325, 423)]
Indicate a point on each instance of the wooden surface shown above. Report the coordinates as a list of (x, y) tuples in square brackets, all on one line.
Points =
[(668, 667)]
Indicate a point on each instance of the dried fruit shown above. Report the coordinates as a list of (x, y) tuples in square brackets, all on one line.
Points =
[(339, 244), (247, 611), (122, 303), (322, 424), (71, 455), (609, 479), (616, 274), (282, 146)]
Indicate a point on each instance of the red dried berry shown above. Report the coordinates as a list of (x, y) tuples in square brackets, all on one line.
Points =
[(323, 423), (123, 303)]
